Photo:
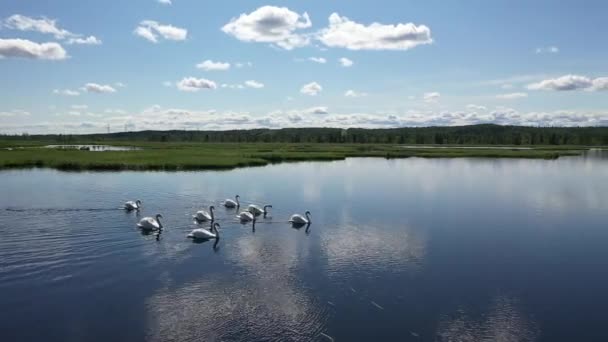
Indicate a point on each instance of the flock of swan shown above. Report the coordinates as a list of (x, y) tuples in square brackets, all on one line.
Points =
[(153, 223)]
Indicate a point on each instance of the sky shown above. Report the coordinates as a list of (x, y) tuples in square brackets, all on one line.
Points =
[(71, 66)]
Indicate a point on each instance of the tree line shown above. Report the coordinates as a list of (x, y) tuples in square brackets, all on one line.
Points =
[(485, 134)]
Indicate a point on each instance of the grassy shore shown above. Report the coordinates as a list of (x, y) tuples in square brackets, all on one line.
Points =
[(200, 156)]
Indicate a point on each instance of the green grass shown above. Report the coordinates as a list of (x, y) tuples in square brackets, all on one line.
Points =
[(200, 156)]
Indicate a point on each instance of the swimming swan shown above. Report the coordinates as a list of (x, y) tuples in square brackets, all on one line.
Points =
[(203, 216), (246, 216), (204, 234), (151, 223), (299, 219), (228, 203), (254, 209), (130, 205)]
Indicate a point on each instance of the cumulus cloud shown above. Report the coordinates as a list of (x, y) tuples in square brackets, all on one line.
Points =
[(511, 96), (164, 2), (548, 49), (600, 83), (47, 26), (345, 62), (345, 33), (156, 117), (98, 88), (193, 84), (352, 93), (209, 65), (571, 82), (254, 84), (431, 97), (22, 48), (312, 88), (66, 92), (269, 24), (320, 60), (152, 31)]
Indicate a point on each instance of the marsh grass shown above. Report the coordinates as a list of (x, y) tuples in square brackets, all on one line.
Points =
[(210, 156)]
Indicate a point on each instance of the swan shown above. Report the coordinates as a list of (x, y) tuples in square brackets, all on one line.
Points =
[(299, 219), (130, 205), (151, 223), (254, 209), (204, 234), (203, 216), (246, 216), (228, 203)]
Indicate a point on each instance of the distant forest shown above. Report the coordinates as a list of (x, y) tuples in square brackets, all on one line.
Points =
[(486, 134)]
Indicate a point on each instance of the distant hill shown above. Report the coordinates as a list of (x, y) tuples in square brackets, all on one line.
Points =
[(486, 134)]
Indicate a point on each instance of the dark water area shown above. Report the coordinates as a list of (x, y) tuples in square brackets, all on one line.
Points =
[(398, 250)]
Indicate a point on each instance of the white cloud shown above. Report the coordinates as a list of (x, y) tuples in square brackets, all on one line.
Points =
[(600, 83), (210, 65), (14, 113), (475, 107), (145, 33), (66, 92), (345, 33), (90, 40), (548, 49), (431, 97), (312, 88), (151, 30), (157, 118), (195, 84), (511, 96), (254, 84), (345, 62), (352, 93), (321, 110), (41, 25), (164, 2), (22, 48), (571, 82), (270, 24), (98, 88), (120, 85), (48, 26), (242, 65), (320, 60)]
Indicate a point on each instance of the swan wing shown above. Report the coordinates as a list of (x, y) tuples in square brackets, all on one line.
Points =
[(297, 218)]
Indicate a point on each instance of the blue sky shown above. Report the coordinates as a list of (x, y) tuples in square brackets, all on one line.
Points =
[(77, 67)]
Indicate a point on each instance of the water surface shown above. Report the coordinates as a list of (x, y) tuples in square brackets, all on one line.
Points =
[(410, 250)]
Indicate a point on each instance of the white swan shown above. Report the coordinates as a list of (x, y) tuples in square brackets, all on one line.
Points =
[(151, 223), (299, 219), (130, 205), (246, 216), (228, 203), (204, 234), (204, 216), (254, 209)]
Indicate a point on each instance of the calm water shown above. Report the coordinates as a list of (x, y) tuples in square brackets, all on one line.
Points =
[(93, 148), (407, 250)]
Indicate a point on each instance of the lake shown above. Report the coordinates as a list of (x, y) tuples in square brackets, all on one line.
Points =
[(407, 249)]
